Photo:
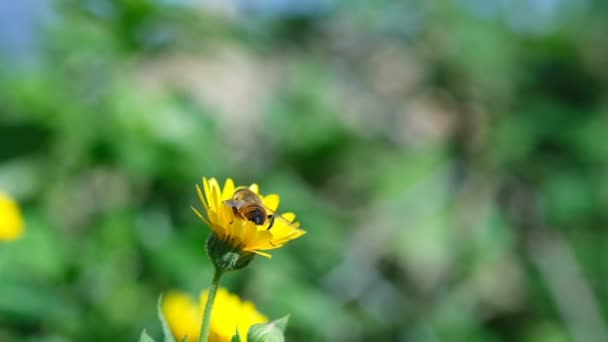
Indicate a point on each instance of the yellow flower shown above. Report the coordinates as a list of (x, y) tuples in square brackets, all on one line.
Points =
[(240, 233), (11, 221), (184, 314)]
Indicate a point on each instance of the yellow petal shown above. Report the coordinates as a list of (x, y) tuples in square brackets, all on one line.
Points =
[(291, 236), (261, 238), (249, 233), (207, 189), (266, 255), (216, 195), (289, 216), (201, 216), (255, 188), (228, 190), (282, 228), (238, 229), (202, 198), (271, 202)]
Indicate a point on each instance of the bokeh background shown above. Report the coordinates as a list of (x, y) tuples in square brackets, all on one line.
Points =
[(447, 158)]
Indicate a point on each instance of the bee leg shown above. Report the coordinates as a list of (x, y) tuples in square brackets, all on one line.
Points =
[(271, 218)]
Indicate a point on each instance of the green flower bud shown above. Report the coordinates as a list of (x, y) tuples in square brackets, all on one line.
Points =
[(268, 332), (145, 337), (225, 256), (236, 337)]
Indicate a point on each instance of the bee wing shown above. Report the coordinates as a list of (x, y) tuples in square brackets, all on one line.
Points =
[(234, 203)]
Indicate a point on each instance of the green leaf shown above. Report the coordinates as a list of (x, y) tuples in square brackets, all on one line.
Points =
[(236, 337), (166, 330), (185, 339), (281, 323), (268, 332), (145, 337)]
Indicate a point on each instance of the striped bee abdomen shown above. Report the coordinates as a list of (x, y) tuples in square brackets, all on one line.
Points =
[(255, 214)]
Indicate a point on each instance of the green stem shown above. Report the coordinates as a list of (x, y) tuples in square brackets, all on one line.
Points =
[(206, 324)]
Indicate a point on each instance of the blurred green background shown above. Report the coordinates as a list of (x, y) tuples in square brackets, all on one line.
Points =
[(446, 157)]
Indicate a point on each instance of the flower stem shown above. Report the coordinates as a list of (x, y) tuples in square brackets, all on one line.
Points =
[(206, 324)]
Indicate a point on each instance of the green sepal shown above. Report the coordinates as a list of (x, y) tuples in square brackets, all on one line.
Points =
[(225, 256), (281, 323), (168, 335), (145, 337), (236, 337), (268, 332)]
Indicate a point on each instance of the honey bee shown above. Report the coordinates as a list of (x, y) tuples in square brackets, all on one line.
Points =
[(248, 205)]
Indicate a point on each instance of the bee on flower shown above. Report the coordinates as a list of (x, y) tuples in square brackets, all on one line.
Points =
[(244, 220)]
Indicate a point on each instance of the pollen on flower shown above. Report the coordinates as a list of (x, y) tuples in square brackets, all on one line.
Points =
[(11, 221), (184, 313), (221, 205)]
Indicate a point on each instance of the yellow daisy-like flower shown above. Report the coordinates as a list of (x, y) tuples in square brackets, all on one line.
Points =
[(11, 221), (241, 233), (184, 314)]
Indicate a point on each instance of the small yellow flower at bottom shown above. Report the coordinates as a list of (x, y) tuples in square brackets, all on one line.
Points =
[(184, 314), (11, 221)]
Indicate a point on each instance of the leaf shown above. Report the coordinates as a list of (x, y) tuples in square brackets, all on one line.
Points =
[(281, 323), (268, 332), (145, 337), (166, 330)]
